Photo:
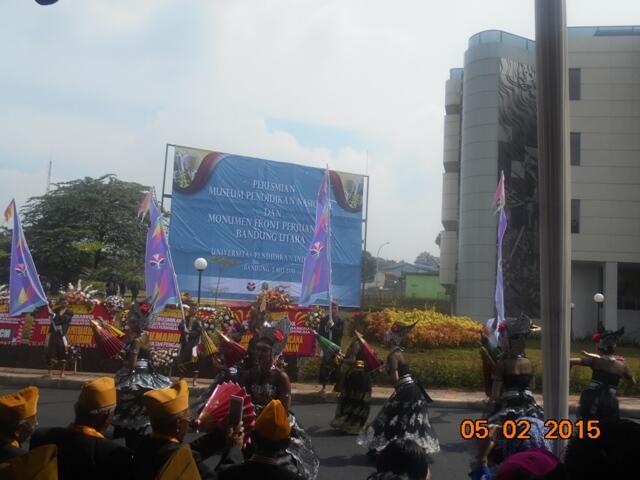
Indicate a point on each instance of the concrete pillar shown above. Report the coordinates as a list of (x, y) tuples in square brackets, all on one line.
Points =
[(610, 307)]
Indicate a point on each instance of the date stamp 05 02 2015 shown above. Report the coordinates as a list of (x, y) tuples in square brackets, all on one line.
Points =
[(519, 429)]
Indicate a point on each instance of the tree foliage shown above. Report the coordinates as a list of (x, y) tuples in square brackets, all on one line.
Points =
[(425, 258), (87, 228), (368, 266), (5, 254)]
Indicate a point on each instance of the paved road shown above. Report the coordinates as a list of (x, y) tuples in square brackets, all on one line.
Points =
[(340, 457)]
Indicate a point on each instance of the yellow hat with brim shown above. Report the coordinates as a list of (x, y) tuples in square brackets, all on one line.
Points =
[(273, 422), (19, 405), (167, 401), (98, 393)]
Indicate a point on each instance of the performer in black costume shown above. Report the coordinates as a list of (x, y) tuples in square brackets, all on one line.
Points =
[(190, 336), (231, 373), (354, 402), (405, 414), (599, 400), (136, 377), (332, 328), (264, 382), (511, 396), (57, 343)]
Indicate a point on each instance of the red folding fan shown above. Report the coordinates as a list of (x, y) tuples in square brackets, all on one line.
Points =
[(216, 410), (107, 343), (371, 361), (231, 350)]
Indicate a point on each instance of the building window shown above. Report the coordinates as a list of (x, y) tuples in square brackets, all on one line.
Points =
[(575, 216), (574, 84), (575, 148), (628, 286)]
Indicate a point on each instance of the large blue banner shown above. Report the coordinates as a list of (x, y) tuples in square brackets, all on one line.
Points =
[(253, 220)]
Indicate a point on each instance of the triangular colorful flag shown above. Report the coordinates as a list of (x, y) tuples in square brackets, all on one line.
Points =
[(159, 274), (25, 290), (316, 271), (499, 201)]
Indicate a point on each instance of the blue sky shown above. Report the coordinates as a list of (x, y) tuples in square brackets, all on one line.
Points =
[(101, 86)]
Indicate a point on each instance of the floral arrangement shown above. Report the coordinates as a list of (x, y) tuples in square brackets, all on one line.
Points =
[(313, 317), (164, 358), (220, 318), (79, 295), (114, 304), (275, 299), (433, 330), (4, 294)]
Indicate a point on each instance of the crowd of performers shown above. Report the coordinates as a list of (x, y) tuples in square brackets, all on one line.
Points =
[(258, 369), (509, 377), (153, 415)]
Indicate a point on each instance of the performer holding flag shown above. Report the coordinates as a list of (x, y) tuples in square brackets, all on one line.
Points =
[(316, 280), (138, 374)]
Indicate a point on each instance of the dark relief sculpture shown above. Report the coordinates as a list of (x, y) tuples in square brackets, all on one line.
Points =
[(518, 158)]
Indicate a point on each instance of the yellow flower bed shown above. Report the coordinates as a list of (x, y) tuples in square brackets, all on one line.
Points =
[(433, 330)]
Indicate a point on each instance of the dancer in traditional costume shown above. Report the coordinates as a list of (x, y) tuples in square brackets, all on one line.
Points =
[(599, 400), (227, 366), (405, 414), (57, 343), (332, 328), (354, 402), (190, 337), (511, 396), (264, 382), (136, 377)]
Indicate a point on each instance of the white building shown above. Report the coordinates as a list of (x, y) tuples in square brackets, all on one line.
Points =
[(490, 125)]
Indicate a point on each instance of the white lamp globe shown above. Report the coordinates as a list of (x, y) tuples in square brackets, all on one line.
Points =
[(200, 264), (598, 298)]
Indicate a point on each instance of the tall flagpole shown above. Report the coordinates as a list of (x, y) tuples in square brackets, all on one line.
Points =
[(327, 179)]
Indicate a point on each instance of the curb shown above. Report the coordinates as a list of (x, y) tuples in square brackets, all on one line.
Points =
[(302, 396)]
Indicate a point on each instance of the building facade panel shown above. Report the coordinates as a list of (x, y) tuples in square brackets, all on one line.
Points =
[(448, 257)]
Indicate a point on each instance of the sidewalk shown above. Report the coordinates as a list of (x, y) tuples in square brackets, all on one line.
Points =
[(302, 392)]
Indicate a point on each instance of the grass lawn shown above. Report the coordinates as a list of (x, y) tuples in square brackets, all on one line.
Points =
[(460, 368)]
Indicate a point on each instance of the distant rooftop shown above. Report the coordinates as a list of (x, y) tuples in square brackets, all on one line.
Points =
[(456, 73), (499, 36)]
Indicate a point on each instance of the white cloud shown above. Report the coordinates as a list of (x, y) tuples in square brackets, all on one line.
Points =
[(101, 87)]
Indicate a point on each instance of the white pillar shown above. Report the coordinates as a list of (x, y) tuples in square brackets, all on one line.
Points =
[(610, 307)]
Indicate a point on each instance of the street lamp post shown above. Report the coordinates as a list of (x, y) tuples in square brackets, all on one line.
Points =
[(572, 305), (378, 260), (200, 265), (598, 298)]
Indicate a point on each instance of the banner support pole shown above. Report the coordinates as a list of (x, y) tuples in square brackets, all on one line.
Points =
[(164, 176)]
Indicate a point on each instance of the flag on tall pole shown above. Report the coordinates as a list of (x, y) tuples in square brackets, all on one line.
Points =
[(316, 271), (25, 290), (499, 201), (145, 206), (159, 274)]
